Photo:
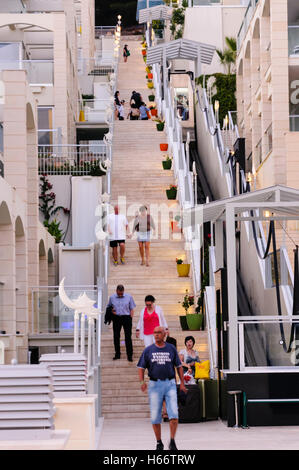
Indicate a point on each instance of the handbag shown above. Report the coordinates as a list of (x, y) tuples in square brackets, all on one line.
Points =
[(202, 370), (128, 53)]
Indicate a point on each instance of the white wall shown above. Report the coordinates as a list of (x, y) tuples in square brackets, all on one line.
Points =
[(210, 24), (86, 192)]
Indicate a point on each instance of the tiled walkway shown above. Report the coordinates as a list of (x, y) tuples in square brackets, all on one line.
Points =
[(137, 434)]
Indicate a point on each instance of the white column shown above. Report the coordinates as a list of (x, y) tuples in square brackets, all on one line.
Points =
[(76, 332), (90, 326), (82, 350), (232, 287)]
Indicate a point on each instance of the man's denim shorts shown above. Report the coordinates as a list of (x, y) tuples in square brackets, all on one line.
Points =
[(159, 391)]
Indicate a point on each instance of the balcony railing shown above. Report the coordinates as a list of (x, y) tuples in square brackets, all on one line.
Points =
[(95, 110), (269, 139), (294, 122), (103, 64), (293, 32), (101, 31), (196, 3), (76, 160), (39, 72), (247, 18), (12, 6), (50, 315)]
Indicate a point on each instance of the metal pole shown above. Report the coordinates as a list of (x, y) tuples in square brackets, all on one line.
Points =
[(82, 350)]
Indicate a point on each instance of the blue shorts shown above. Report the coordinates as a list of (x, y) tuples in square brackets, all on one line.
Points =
[(158, 392), (144, 236)]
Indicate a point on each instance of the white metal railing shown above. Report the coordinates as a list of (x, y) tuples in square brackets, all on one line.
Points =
[(39, 72), (71, 159)]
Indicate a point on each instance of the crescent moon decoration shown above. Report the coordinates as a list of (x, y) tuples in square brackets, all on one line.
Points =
[(82, 304)]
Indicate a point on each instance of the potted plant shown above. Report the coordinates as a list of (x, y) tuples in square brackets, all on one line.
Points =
[(182, 268), (167, 162), (153, 109), (163, 147), (150, 85), (144, 58), (151, 97), (148, 69), (160, 124), (195, 320), (150, 76), (188, 301), (143, 52), (171, 192), (176, 224)]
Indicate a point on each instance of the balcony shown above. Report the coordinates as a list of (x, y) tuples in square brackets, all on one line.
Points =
[(94, 111), (293, 32), (247, 18), (44, 6), (102, 65), (101, 31), (39, 72), (75, 160), (12, 6)]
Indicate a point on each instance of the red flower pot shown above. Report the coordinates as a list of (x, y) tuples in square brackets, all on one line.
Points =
[(174, 227), (163, 147), (154, 112), (149, 76), (143, 51)]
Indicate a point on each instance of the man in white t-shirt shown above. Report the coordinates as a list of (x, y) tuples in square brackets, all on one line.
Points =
[(117, 228)]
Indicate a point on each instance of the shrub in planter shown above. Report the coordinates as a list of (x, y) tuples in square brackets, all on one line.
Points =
[(167, 163), (171, 192), (163, 147), (160, 125)]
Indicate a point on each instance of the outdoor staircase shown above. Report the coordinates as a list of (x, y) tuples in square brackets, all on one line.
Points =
[(137, 174)]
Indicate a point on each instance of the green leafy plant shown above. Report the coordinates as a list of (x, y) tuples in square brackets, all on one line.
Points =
[(226, 92), (229, 54), (54, 230)]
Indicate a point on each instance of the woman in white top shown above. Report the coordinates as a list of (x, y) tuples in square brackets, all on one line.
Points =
[(150, 317)]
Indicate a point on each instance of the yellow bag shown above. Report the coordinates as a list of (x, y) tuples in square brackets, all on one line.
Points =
[(202, 370)]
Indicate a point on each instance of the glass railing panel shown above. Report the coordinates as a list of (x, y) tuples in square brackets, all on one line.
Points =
[(293, 40), (266, 343), (50, 315), (294, 123)]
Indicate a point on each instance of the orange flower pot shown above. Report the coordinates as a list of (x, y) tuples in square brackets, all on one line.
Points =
[(154, 112), (143, 51), (149, 75), (174, 227), (163, 147)]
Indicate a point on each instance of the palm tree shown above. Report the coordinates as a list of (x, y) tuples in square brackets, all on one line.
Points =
[(228, 56)]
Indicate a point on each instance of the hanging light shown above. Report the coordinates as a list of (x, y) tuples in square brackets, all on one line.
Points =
[(119, 17), (267, 214)]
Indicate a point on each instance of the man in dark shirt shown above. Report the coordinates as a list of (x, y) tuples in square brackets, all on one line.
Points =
[(160, 359)]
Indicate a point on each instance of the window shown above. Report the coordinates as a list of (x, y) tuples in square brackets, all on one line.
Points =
[(45, 125)]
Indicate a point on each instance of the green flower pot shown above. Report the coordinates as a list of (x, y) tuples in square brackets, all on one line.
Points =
[(160, 126), (183, 322), (167, 164), (151, 97), (194, 321), (171, 193)]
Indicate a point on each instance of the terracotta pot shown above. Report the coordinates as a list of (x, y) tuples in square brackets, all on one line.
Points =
[(163, 147), (174, 227), (150, 76), (154, 112), (183, 269)]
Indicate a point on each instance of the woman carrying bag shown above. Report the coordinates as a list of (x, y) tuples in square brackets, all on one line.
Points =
[(126, 52)]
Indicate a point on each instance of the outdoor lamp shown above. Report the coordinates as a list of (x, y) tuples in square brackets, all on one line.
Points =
[(267, 214), (249, 177)]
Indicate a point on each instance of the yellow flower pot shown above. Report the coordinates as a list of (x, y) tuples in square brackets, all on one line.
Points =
[(81, 116), (183, 269)]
